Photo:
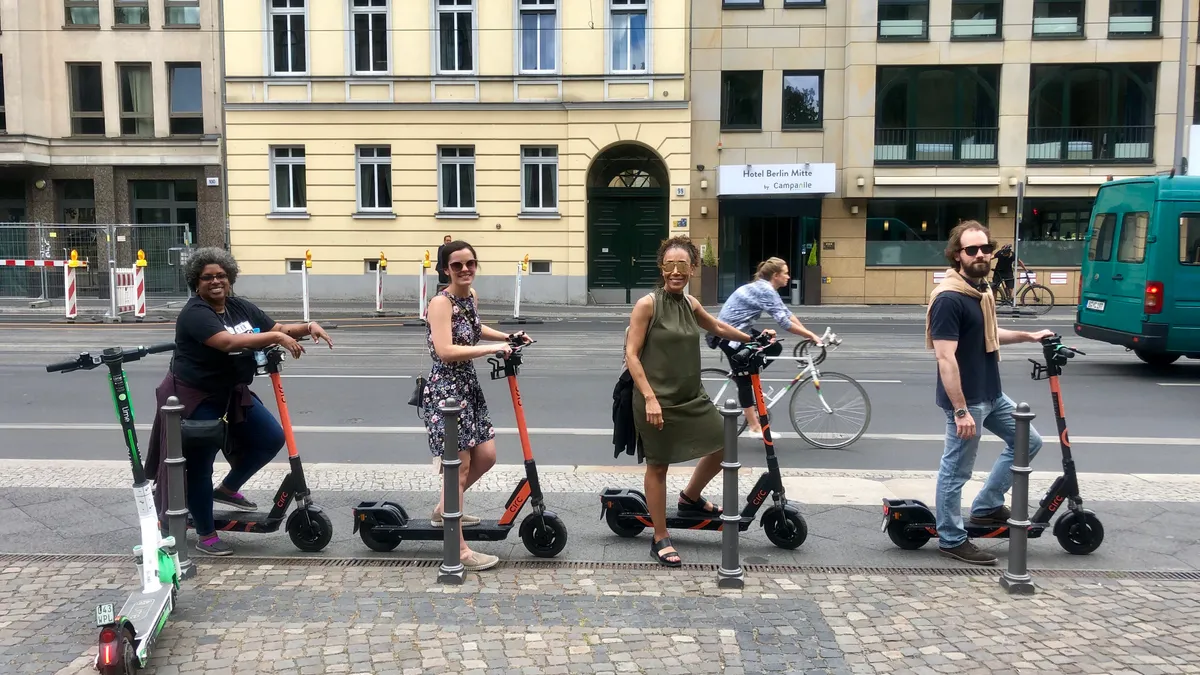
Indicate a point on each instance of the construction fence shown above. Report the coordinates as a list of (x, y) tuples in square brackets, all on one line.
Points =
[(35, 259)]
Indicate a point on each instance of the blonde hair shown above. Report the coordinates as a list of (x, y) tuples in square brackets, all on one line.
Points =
[(769, 268)]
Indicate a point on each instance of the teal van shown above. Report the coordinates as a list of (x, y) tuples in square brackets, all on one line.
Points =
[(1139, 286)]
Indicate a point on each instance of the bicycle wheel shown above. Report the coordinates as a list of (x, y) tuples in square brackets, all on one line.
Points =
[(719, 385), (1038, 298), (848, 402)]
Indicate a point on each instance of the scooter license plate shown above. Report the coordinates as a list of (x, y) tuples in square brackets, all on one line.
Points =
[(883, 527), (105, 614)]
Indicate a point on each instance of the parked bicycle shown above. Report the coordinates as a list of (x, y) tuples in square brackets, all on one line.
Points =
[(809, 406), (1030, 294)]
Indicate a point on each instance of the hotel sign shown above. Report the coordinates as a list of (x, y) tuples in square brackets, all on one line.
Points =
[(776, 179)]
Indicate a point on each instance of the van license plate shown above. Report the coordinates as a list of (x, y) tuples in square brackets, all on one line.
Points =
[(1097, 305), (104, 614)]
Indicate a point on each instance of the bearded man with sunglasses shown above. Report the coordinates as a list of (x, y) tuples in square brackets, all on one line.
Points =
[(961, 329)]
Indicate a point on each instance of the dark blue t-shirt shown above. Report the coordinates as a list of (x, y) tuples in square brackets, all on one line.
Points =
[(959, 317), (204, 367)]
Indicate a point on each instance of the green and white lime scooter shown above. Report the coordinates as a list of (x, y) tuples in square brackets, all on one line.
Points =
[(126, 638)]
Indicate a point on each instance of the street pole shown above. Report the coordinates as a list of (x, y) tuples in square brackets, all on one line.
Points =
[(1180, 97)]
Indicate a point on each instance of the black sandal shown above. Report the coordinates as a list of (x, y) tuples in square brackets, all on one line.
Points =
[(656, 548), (700, 505)]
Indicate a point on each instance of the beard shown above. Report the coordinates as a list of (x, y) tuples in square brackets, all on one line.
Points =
[(976, 270)]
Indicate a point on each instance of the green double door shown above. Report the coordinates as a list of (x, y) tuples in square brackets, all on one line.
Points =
[(625, 228)]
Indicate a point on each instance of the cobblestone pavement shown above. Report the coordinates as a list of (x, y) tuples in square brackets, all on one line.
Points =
[(250, 617)]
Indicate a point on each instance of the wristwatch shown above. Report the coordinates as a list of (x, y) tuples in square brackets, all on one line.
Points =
[(960, 413)]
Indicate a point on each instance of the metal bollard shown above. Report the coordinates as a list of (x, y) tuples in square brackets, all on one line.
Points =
[(730, 574), (452, 567), (176, 504), (1016, 579)]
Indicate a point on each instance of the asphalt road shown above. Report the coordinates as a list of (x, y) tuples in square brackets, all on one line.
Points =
[(348, 404)]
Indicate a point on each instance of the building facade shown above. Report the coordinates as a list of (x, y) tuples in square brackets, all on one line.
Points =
[(543, 128), (110, 114), (850, 137)]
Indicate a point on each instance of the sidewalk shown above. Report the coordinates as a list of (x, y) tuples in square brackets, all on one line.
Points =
[(339, 616)]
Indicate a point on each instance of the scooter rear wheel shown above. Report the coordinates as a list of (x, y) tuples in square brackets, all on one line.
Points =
[(909, 541), (378, 544), (309, 529), (613, 518), (127, 657), (544, 536)]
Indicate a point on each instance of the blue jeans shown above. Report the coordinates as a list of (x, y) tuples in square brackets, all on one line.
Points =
[(958, 461), (259, 438)]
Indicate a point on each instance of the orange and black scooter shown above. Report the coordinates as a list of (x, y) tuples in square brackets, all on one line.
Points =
[(382, 525), (627, 514)]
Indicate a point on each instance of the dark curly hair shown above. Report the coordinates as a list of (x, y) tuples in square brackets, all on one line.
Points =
[(954, 243), (210, 255), (681, 242)]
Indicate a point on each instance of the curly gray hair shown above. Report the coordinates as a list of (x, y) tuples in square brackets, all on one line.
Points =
[(211, 255)]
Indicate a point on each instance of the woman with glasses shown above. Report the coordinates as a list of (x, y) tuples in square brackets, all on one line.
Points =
[(453, 334), (671, 411), (216, 335)]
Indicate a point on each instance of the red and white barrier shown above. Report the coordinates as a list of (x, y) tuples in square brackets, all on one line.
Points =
[(70, 286), (126, 289)]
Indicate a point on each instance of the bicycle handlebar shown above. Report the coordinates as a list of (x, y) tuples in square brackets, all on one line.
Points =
[(86, 361)]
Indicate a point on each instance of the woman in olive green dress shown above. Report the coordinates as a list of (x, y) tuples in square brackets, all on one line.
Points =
[(673, 414)]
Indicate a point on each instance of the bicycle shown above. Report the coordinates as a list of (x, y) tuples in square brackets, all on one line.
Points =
[(1038, 293), (808, 374)]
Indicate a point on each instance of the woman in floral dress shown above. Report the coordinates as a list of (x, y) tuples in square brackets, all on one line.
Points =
[(453, 335)]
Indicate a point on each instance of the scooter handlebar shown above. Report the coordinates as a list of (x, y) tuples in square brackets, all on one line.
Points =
[(85, 361)]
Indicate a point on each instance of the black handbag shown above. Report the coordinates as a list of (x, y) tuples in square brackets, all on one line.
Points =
[(204, 434), (418, 392)]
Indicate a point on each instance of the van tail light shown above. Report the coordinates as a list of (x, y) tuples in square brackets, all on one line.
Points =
[(1153, 301)]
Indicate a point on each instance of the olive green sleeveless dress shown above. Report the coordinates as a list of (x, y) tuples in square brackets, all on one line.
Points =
[(692, 425)]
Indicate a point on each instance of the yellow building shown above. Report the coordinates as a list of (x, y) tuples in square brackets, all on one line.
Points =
[(550, 128)]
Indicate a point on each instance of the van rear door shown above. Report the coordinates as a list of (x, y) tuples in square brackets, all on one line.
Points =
[(1183, 295), (1097, 287)]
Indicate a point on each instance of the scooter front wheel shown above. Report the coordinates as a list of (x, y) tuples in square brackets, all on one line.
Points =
[(785, 529), (309, 529), (1079, 533), (545, 536)]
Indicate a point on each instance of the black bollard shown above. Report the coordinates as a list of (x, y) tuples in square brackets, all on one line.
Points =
[(730, 574), (1016, 580), (176, 503), (452, 568)]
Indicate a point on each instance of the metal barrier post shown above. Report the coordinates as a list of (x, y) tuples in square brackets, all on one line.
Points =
[(380, 270), (110, 234), (304, 281), (730, 574), (423, 289), (176, 505), (1016, 579), (522, 266), (452, 567)]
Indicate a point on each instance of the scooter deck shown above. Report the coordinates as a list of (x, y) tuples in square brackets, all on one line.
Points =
[(419, 529), (915, 515), (686, 521), (147, 612), (242, 521)]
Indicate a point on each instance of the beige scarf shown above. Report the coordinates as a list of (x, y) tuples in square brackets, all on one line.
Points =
[(955, 283)]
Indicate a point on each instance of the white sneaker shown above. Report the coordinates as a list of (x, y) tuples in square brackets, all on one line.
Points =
[(754, 434)]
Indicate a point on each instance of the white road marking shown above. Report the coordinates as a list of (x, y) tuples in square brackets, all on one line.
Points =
[(1179, 384)]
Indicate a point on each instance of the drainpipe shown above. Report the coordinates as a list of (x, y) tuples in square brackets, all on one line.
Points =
[(1179, 106), (224, 120)]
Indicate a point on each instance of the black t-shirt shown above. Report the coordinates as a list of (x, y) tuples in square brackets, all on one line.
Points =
[(1004, 264), (959, 317), (204, 367)]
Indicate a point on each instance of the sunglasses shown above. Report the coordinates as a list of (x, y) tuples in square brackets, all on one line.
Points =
[(974, 250), (210, 277), (677, 267), (458, 265)]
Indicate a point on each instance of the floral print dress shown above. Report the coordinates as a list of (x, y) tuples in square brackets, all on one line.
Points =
[(456, 380)]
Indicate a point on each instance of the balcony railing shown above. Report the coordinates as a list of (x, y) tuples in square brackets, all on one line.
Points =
[(1087, 145), (946, 145)]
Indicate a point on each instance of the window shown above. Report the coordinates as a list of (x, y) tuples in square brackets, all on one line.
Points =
[(539, 179), (937, 114), (87, 99), (802, 99), (131, 13), (456, 40), (1100, 247), (1053, 231), (1058, 18), (165, 202), (370, 36), (976, 19), (375, 178), (76, 203), (288, 179), (187, 99), (3, 116), (904, 19), (137, 99), (182, 13), (288, 42), (742, 4), (1132, 246), (538, 36), (1133, 18), (1189, 239), (741, 100), (628, 21), (456, 178), (83, 12), (914, 232), (1092, 113)]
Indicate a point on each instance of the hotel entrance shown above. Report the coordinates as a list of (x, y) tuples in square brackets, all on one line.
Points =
[(752, 230)]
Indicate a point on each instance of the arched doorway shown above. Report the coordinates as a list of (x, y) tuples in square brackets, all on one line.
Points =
[(627, 220)]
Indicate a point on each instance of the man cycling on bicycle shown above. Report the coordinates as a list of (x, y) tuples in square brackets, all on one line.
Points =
[(1003, 272), (746, 306)]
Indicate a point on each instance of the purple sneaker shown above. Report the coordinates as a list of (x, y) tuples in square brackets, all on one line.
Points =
[(235, 500)]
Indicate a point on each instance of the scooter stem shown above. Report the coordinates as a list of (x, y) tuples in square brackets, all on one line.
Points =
[(285, 418), (519, 411)]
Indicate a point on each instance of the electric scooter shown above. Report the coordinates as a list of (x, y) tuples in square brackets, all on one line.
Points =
[(910, 523), (309, 528), (382, 525), (627, 514), (126, 638)]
